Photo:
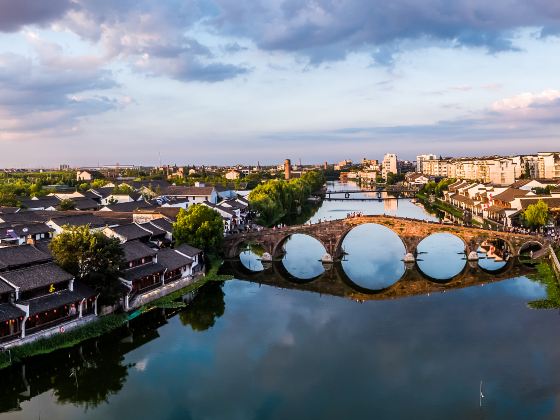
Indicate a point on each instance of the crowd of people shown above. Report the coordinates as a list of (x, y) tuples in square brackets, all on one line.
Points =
[(354, 214)]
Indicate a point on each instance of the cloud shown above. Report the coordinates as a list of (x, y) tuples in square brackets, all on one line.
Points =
[(527, 100), (510, 121), (16, 13), (326, 29), (51, 94), (152, 37)]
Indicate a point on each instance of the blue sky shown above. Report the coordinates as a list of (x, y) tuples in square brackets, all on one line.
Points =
[(226, 81)]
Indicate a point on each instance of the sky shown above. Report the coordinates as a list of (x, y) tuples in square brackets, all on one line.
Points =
[(87, 82)]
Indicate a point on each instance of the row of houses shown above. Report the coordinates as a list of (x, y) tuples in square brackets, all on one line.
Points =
[(498, 170), (147, 195), (503, 205), (38, 298)]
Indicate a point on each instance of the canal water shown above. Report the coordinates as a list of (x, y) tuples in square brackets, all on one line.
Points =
[(242, 350)]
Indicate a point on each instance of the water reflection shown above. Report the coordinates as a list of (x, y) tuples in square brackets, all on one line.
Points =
[(493, 254), (441, 256), (251, 255), (207, 306), (331, 210), (374, 256), (302, 257)]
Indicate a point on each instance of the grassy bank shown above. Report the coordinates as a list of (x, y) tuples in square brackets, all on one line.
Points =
[(105, 324), (171, 300), (69, 339), (437, 204), (546, 276)]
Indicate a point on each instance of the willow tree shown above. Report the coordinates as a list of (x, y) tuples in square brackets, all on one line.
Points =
[(536, 215)]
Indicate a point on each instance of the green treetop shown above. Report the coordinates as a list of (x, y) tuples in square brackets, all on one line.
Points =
[(536, 215), (91, 257), (199, 226)]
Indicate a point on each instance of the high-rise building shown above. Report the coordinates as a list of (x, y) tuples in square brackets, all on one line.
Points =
[(548, 165), (421, 159), (389, 164)]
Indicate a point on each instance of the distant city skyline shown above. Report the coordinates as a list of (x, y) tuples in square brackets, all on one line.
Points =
[(222, 82)]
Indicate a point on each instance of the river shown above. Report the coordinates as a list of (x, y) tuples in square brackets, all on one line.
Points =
[(243, 350)]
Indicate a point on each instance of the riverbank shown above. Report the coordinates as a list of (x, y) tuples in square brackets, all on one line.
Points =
[(107, 323), (441, 209)]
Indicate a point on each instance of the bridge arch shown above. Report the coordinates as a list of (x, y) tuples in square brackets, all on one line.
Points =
[(438, 246), (234, 249), (279, 245), (337, 251)]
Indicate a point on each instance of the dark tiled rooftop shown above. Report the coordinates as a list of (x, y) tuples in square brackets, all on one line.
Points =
[(172, 260), (134, 250), (16, 256), (37, 276), (8, 311), (143, 271), (131, 232), (188, 250), (58, 299)]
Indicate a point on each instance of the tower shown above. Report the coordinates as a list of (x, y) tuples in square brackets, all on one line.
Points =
[(287, 169)]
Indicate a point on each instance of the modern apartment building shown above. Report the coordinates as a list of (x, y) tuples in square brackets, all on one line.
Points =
[(421, 159), (389, 164)]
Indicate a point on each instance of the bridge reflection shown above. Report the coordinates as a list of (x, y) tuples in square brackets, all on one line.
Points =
[(334, 281)]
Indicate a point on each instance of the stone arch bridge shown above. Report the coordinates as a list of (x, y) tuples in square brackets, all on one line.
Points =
[(331, 235)]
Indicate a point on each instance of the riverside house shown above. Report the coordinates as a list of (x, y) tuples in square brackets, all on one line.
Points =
[(38, 298)]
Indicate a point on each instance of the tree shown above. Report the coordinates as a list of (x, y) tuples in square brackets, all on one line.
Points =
[(392, 178), (123, 189), (536, 215), (91, 257), (276, 199), (199, 226), (66, 204), (207, 306)]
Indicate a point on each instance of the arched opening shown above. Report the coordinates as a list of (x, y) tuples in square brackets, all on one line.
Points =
[(527, 252), (494, 255), (250, 256), (441, 256), (373, 256), (302, 256)]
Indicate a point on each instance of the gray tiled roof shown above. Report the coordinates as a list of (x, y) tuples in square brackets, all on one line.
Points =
[(37, 276), (163, 224), (143, 271), (85, 203), (131, 231), (135, 250), (16, 256), (9, 311), (172, 260), (41, 202), (185, 191), (79, 220), (130, 206), (188, 250), (58, 299)]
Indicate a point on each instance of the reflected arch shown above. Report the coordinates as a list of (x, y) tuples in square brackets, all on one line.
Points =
[(250, 254), (441, 257), (373, 257), (527, 250), (301, 256), (495, 255)]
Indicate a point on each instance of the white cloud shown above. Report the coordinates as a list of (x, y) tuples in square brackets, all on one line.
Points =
[(526, 100)]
